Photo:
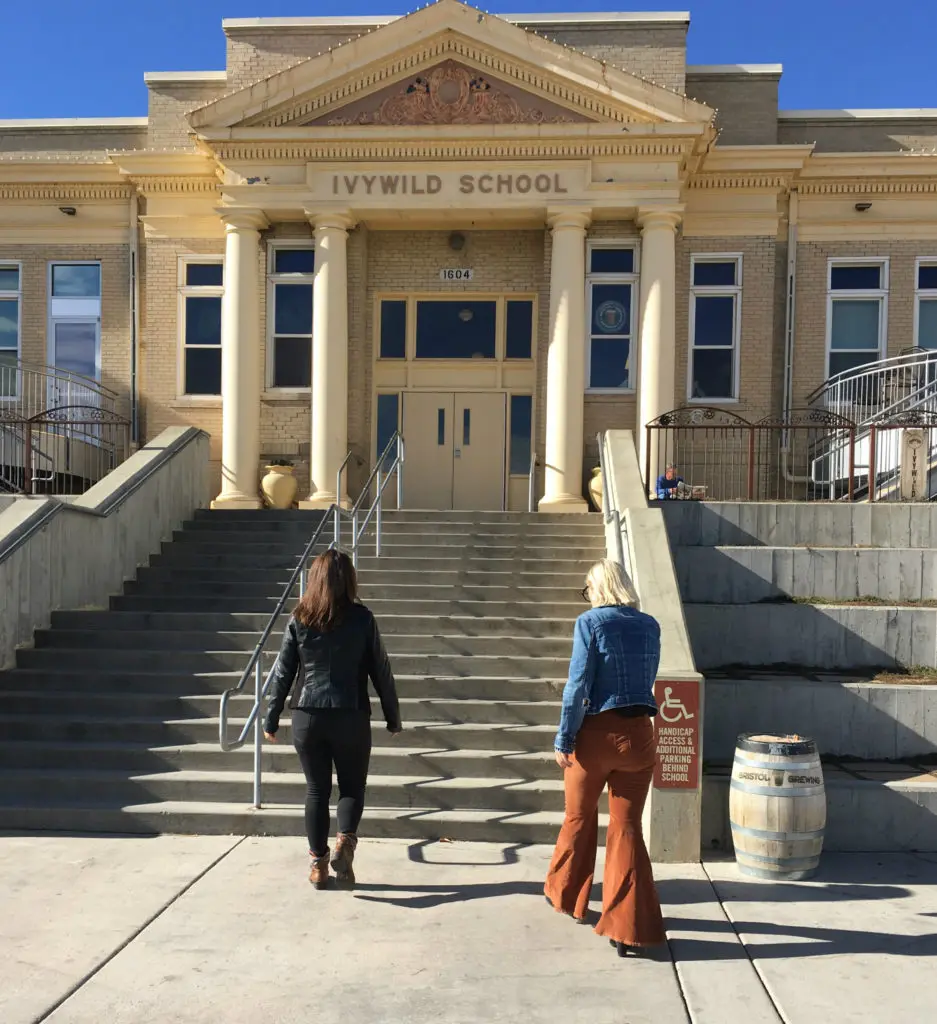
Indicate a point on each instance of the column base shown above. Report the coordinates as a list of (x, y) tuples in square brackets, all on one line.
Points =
[(236, 501), (563, 503)]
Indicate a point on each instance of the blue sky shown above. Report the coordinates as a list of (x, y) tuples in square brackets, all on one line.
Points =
[(86, 58)]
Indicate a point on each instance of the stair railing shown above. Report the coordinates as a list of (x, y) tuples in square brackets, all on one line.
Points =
[(254, 667), (610, 516)]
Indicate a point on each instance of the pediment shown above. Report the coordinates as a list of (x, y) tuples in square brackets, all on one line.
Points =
[(447, 64)]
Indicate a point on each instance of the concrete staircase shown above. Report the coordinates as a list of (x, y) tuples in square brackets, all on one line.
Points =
[(109, 723)]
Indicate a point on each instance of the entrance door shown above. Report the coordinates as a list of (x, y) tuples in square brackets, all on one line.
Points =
[(455, 450)]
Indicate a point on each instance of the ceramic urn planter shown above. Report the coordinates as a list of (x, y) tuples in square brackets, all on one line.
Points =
[(595, 488), (279, 486)]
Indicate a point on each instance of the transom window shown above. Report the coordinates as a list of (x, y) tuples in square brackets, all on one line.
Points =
[(925, 311), (200, 292), (289, 316), (9, 328), (610, 285), (715, 326), (856, 313)]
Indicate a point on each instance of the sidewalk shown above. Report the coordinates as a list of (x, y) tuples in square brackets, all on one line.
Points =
[(220, 929)]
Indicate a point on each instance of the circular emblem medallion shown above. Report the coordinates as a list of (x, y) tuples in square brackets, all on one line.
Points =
[(610, 317)]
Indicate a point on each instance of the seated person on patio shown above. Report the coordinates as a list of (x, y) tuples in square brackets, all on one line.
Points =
[(669, 484)]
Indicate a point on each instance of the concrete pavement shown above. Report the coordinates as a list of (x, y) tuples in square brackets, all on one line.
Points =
[(183, 929)]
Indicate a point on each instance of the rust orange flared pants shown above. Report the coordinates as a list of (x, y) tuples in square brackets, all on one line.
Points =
[(619, 752)]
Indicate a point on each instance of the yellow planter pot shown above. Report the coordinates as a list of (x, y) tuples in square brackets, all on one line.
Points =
[(279, 486), (595, 488)]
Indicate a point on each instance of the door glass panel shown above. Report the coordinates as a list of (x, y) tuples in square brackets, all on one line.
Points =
[(441, 427), (455, 330), (387, 413), (70, 280), (521, 414), (466, 426), (76, 348)]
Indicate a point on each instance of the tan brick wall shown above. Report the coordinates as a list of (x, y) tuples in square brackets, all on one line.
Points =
[(810, 337), (878, 136), (253, 54), (746, 105), (168, 105), (759, 380), (115, 306)]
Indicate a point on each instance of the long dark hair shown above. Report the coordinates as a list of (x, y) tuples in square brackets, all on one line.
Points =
[(332, 588)]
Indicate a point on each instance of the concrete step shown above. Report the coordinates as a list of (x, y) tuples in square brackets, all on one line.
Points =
[(487, 533), (115, 705), (176, 682), (140, 758), (888, 812), (218, 622), (126, 641), (488, 574), (395, 547), (508, 795), (302, 516), (846, 716), (238, 818), (154, 731), (522, 605), (451, 559)]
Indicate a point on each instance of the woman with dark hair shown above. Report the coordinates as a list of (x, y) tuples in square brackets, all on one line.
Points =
[(331, 647)]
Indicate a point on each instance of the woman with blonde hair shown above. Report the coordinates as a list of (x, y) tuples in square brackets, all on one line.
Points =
[(606, 738), (331, 647)]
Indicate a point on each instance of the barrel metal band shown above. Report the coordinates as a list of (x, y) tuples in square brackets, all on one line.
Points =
[(779, 791), (780, 765), (788, 863), (784, 837)]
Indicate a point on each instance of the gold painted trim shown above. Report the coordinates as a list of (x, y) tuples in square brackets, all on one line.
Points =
[(38, 190), (157, 185), (868, 187), (743, 181)]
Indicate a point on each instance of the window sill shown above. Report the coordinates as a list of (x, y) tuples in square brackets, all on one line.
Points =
[(611, 392), (196, 402), (286, 395), (713, 401)]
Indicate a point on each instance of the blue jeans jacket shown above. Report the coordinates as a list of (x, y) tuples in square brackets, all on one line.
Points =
[(616, 652)]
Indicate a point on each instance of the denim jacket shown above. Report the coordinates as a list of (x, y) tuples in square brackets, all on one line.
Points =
[(616, 651)]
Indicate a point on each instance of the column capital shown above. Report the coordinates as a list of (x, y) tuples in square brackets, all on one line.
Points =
[(566, 219), (238, 219), (331, 220), (659, 217)]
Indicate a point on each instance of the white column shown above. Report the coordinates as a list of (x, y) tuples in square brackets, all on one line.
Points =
[(241, 369), (566, 365), (329, 359), (656, 392)]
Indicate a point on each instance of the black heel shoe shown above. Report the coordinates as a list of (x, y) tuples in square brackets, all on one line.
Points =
[(625, 950)]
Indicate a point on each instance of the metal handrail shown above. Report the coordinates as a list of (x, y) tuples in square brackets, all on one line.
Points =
[(532, 482), (396, 443), (609, 514)]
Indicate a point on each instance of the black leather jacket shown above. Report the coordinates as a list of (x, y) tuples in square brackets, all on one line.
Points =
[(331, 670)]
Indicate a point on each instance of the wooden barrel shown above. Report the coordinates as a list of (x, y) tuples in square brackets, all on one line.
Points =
[(777, 806)]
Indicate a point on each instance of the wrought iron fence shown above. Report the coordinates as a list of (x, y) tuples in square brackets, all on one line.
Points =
[(64, 450)]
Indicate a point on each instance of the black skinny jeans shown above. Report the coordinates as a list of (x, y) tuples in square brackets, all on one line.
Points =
[(323, 738)]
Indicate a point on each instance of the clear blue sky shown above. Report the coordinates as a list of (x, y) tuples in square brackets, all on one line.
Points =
[(86, 58)]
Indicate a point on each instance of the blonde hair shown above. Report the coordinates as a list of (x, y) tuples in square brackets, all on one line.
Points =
[(608, 583)]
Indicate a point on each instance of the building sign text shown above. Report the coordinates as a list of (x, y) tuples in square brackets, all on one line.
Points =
[(678, 734), (502, 184)]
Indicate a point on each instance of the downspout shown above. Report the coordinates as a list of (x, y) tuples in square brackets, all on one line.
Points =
[(790, 308), (134, 319)]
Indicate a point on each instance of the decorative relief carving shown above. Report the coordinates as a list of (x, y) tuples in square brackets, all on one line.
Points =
[(451, 94)]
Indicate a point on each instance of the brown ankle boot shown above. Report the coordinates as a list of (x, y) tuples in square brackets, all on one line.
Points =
[(342, 861), (319, 870)]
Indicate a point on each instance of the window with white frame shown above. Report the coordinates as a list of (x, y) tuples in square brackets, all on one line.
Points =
[(715, 327), (10, 295), (856, 313), (925, 311), (289, 315), (611, 279), (201, 281), (74, 326)]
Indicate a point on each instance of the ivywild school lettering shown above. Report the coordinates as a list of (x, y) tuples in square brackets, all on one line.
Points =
[(431, 184)]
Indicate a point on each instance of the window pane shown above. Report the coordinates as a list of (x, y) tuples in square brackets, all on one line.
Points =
[(8, 373), (926, 276), (927, 323), (9, 279), (294, 261), (855, 325), (292, 362), (394, 329), (842, 361), (712, 373), (9, 318), (611, 261), (71, 281), (203, 371), (712, 274), (387, 412), (611, 309), (520, 329), (455, 330), (293, 313), (608, 367), (203, 320), (440, 426), (204, 275), (75, 347), (521, 414), (714, 322), (867, 276)]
